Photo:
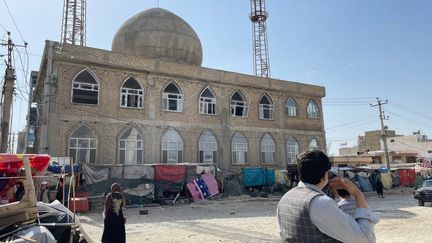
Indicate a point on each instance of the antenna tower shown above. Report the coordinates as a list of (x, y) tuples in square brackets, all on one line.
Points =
[(74, 22), (258, 17)]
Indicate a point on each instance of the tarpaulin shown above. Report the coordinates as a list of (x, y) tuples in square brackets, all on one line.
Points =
[(138, 171), (173, 173), (407, 177), (386, 179), (11, 162), (257, 176), (94, 174), (57, 169)]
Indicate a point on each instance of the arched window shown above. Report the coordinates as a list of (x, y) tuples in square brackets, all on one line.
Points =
[(85, 88), (207, 102), (132, 94), (130, 147), (292, 149), (207, 147), (82, 145), (172, 98), (172, 147), (267, 149), (291, 107), (239, 106), (266, 109), (313, 144), (239, 148), (312, 110)]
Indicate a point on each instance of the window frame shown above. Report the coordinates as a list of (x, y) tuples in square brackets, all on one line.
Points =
[(236, 103), (289, 109), (92, 87), (204, 102), (266, 107), (73, 144), (135, 149), (292, 153), (310, 143), (166, 151), (177, 97), (239, 150), (268, 150), (310, 113), (203, 148), (125, 92)]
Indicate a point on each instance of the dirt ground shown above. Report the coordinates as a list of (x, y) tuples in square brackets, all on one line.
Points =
[(247, 219)]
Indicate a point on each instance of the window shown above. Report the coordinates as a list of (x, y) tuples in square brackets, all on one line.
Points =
[(267, 149), (313, 144), (312, 110), (291, 107), (82, 145), (172, 98), (132, 95), (207, 147), (239, 149), (266, 110), (207, 102), (172, 147), (85, 88), (239, 106), (292, 148), (130, 147)]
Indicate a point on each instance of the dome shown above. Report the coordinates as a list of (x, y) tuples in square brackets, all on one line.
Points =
[(158, 33)]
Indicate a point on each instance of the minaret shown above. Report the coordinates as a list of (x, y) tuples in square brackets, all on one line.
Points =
[(258, 17)]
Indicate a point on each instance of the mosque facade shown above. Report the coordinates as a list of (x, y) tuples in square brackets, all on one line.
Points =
[(148, 100)]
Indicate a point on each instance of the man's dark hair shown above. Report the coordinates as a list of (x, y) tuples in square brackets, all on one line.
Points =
[(343, 193), (312, 165)]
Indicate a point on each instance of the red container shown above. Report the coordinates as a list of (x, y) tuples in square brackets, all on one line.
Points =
[(81, 204)]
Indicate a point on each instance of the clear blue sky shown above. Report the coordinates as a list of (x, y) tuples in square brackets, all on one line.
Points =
[(357, 50)]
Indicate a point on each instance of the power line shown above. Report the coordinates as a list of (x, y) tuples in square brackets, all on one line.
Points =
[(13, 20), (352, 123), (410, 110), (408, 119), (3, 27)]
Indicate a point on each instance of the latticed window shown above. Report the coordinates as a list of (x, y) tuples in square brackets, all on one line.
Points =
[(266, 109), (172, 147), (267, 149), (207, 147), (172, 98), (132, 95), (131, 147), (85, 88), (82, 145), (312, 110), (239, 148), (313, 144), (239, 106), (291, 107), (292, 149), (207, 102)]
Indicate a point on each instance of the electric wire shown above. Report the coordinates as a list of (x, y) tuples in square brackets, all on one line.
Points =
[(13, 20)]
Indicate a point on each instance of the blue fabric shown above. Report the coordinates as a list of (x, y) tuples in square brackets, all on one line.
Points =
[(256, 176), (202, 186), (57, 169), (365, 185)]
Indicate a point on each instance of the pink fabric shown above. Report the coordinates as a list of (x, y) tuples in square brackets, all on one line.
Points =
[(196, 195), (211, 182)]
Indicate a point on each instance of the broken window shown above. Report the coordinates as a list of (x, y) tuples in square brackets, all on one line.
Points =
[(132, 95), (131, 147), (291, 107), (267, 149), (172, 147), (239, 148), (207, 147), (292, 148), (239, 106), (266, 109), (172, 98), (85, 88), (82, 145), (207, 102), (312, 110)]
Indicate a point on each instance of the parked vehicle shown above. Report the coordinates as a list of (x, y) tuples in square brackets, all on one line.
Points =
[(424, 192)]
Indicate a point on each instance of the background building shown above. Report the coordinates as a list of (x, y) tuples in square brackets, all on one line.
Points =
[(148, 100)]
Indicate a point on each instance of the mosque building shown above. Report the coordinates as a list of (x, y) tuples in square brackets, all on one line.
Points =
[(148, 100)]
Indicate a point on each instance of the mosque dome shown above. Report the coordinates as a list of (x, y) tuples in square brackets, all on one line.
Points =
[(158, 33)]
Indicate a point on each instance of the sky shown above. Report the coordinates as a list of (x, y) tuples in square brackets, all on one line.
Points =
[(357, 50)]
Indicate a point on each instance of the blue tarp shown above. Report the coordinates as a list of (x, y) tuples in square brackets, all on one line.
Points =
[(57, 169), (256, 176)]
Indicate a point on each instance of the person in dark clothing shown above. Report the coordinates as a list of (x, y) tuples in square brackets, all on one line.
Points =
[(379, 188), (62, 191), (114, 220), (20, 191)]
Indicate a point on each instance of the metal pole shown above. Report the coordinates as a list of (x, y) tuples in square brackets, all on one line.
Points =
[(383, 133)]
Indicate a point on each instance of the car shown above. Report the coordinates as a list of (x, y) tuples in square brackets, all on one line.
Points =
[(424, 192)]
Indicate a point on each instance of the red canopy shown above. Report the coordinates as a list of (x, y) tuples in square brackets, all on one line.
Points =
[(12, 162)]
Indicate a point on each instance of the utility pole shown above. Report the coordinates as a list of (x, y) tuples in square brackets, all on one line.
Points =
[(383, 132), (8, 90)]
